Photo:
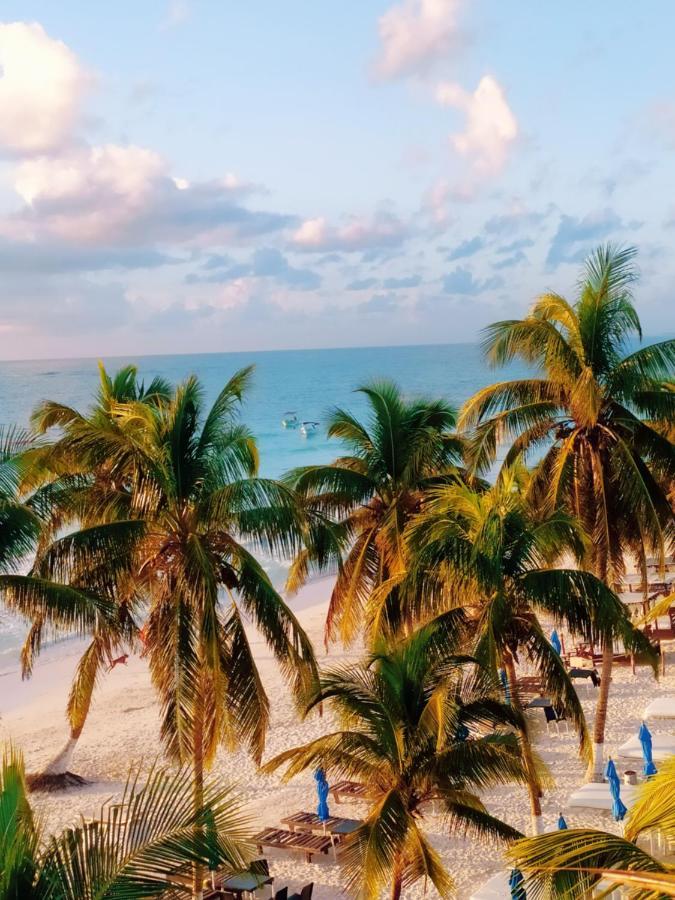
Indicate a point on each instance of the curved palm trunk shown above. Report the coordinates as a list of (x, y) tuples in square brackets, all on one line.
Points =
[(60, 764), (527, 755)]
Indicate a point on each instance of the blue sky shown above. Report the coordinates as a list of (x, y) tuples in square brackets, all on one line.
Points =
[(218, 175)]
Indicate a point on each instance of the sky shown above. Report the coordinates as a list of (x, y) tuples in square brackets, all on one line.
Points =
[(213, 175)]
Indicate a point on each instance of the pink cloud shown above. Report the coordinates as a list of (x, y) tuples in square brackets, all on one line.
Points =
[(491, 127), (358, 233), (414, 34)]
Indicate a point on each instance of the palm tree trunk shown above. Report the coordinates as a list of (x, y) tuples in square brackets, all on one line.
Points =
[(596, 769), (526, 752), (198, 787), (60, 764)]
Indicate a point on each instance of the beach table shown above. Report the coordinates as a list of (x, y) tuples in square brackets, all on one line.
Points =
[(663, 747), (246, 883), (660, 708), (598, 796), (334, 826)]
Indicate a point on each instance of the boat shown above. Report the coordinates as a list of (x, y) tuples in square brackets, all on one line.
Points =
[(290, 419), (308, 428)]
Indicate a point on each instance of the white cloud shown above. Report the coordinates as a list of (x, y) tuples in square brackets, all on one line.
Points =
[(88, 195), (125, 195), (491, 126), (358, 233), (41, 87), (414, 34), (177, 13)]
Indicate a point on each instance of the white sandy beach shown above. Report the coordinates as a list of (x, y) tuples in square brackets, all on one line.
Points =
[(122, 731)]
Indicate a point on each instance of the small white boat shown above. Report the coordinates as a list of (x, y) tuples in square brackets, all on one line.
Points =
[(308, 428), (290, 419)]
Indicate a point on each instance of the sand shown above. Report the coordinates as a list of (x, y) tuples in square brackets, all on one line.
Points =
[(122, 730)]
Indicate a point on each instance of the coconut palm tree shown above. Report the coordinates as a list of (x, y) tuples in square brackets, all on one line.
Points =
[(587, 416), (419, 726), (568, 863), (485, 552), (360, 504), (190, 478), (137, 848), (83, 498)]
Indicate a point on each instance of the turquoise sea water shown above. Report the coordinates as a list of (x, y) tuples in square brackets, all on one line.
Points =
[(307, 381)]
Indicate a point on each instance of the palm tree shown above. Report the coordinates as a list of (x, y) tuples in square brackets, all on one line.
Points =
[(65, 485), (360, 504), (568, 863), (190, 485), (136, 849), (419, 726), (485, 552), (588, 413)]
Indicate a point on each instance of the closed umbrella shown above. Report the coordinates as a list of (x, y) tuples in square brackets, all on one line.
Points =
[(562, 824), (516, 885), (645, 736), (612, 776), (505, 684), (555, 642), (322, 789)]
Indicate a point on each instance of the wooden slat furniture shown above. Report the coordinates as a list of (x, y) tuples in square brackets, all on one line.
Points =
[(294, 841), (307, 821), (349, 790)]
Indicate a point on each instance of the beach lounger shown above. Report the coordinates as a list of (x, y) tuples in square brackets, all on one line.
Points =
[(663, 746), (660, 708), (334, 825), (497, 888), (294, 841), (598, 796), (349, 790)]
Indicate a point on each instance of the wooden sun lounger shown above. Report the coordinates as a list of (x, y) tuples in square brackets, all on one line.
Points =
[(349, 790), (333, 825), (295, 841)]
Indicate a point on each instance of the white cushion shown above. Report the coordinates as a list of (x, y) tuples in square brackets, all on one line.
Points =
[(660, 708), (663, 746), (598, 796)]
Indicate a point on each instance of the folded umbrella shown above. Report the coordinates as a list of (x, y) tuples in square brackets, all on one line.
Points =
[(555, 642), (322, 789), (516, 885), (505, 684), (612, 776), (562, 824), (645, 737)]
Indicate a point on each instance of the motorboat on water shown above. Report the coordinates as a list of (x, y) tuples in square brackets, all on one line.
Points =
[(308, 428), (290, 419)]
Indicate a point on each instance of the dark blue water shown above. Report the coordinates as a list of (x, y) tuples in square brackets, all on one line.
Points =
[(308, 381)]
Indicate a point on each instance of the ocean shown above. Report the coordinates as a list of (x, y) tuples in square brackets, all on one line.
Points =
[(309, 382)]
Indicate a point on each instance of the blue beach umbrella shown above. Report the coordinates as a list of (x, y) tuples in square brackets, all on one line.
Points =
[(322, 789), (505, 684), (516, 885), (612, 776), (555, 642), (645, 736), (562, 824)]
